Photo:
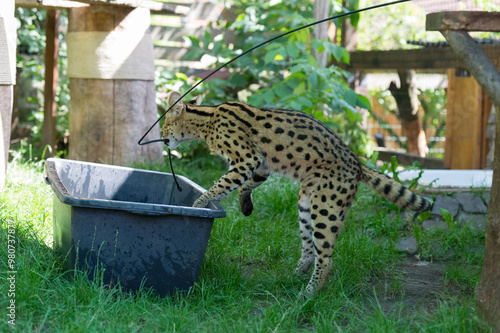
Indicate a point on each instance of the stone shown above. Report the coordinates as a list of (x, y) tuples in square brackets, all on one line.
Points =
[(448, 203), (476, 222), (434, 223), (471, 203), (408, 245)]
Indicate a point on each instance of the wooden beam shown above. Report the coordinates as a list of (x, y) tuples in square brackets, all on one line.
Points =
[(153, 6), (464, 21), (431, 59), (49, 4), (51, 77)]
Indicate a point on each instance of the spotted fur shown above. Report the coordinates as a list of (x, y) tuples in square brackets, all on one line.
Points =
[(257, 142)]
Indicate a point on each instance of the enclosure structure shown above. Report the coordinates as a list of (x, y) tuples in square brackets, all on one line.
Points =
[(468, 106), (111, 70)]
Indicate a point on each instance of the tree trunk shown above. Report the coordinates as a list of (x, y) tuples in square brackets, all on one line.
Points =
[(348, 33), (488, 290), (111, 71), (320, 31), (407, 102)]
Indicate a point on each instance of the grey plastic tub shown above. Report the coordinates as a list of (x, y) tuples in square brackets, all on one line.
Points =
[(129, 225)]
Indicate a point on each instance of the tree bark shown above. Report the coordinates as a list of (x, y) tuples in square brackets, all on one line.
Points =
[(488, 291), (321, 30), (407, 102)]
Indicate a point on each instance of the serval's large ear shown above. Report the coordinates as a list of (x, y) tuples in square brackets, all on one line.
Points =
[(177, 109), (198, 100), (195, 101)]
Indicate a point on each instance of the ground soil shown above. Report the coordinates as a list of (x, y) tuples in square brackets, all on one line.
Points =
[(416, 285)]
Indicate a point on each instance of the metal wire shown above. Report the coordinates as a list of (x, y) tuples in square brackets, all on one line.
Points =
[(256, 47), (243, 54)]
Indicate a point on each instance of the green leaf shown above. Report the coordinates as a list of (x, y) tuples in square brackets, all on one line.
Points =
[(305, 101), (194, 54), (424, 216), (181, 76), (319, 115), (282, 89), (206, 39), (256, 100), (294, 105), (447, 217), (363, 102), (273, 54), (394, 169), (292, 50), (301, 46), (350, 97), (301, 88), (269, 96), (313, 80), (194, 41), (319, 45), (352, 114)]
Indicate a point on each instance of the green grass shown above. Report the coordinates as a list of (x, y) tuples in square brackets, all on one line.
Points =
[(246, 283)]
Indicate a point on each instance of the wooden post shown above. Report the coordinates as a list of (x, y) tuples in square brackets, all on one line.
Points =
[(51, 77), (7, 79), (111, 70)]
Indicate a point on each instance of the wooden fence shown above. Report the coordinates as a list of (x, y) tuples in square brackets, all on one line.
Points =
[(390, 131)]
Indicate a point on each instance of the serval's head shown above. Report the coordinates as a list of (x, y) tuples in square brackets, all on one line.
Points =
[(179, 125)]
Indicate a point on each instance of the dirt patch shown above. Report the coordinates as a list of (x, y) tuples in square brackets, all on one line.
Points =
[(415, 284)]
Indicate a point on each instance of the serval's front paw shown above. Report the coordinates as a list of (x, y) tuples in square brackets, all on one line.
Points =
[(201, 202)]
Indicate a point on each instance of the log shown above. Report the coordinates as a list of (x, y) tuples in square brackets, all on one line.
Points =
[(8, 26), (111, 70), (463, 21)]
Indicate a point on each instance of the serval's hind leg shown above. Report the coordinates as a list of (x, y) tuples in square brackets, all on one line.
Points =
[(307, 256), (328, 210)]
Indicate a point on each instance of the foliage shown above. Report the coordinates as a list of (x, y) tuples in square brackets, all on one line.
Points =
[(31, 47), (391, 27), (282, 74)]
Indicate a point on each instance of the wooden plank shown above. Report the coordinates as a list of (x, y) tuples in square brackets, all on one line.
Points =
[(464, 123), (51, 77), (49, 4), (154, 6), (436, 59), (464, 21)]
